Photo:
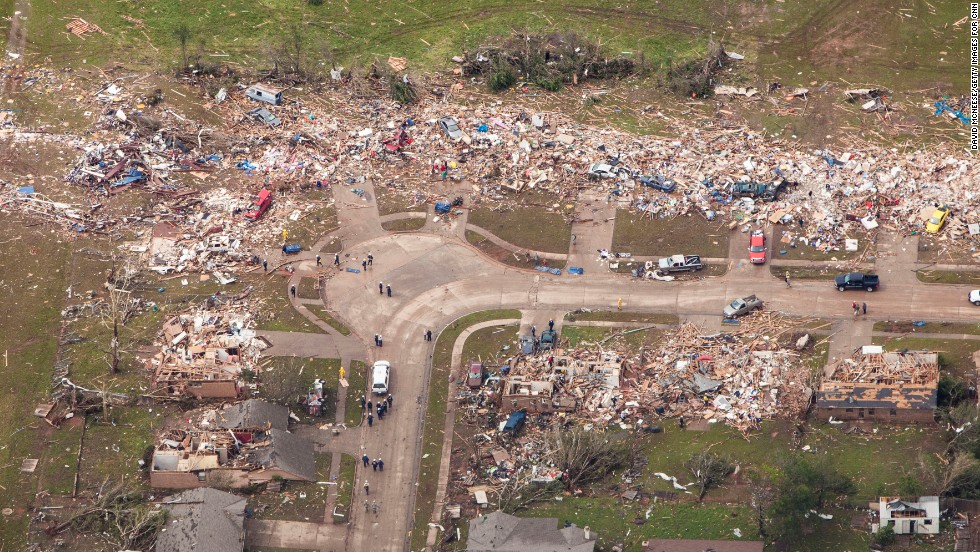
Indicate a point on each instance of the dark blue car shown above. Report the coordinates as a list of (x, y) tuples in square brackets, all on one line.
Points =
[(658, 183)]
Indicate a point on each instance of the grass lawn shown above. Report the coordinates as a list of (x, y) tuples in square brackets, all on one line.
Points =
[(935, 248), (801, 252), (277, 314), (357, 386), (114, 447), (307, 289), (533, 227), (905, 326), (623, 316), (805, 272), (948, 277), (506, 256), (345, 488), (323, 314), (435, 417), (487, 346), (630, 523), (391, 200), (584, 336), (290, 504), (688, 235), (320, 219), (404, 225), (955, 355)]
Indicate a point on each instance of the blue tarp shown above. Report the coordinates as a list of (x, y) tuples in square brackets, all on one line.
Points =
[(26, 190), (245, 166), (443, 206), (133, 176), (555, 271), (577, 270), (354, 270), (292, 248)]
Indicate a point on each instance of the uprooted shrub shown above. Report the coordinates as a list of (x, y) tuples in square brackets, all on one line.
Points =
[(545, 60), (696, 77)]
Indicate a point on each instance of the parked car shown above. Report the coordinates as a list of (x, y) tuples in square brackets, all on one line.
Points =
[(515, 422), (380, 374), (742, 306), (601, 170), (757, 247), (260, 204), (758, 190), (856, 280), (528, 345), (474, 375), (657, 182), (549, 338), (451, 128), (263, 115), (937, 220), (975, 297)]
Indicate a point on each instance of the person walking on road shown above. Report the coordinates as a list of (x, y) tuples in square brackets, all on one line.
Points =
[(370, 420), (381, 465), (364, 264), (428, 335), (265, 265), (381, 341), (336, 259), (551, 325), (388, 400), (381, 288), (374, 465), (367, 488), (365, 460), (318, 263), (389, 290), (864, 308), (786, 278), (370, 259), (534, 331), (292, 291)]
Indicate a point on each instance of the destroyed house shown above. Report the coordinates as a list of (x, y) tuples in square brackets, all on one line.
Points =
[(203, 356), (500, 532), (203, 520), (187, 460), (881, 386)]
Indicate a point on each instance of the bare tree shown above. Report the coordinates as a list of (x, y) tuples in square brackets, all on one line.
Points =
[(118, 515), (762, 498), (709, 469), (586, 456), (119, 308)]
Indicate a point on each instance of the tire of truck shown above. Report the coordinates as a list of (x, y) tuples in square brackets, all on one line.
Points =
[(871, 288), (840, 288)]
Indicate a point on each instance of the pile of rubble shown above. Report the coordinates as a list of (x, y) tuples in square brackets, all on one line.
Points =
[(204, 353)]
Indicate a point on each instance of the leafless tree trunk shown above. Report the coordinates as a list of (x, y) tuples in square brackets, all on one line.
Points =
[(586, 456), (709, 469)]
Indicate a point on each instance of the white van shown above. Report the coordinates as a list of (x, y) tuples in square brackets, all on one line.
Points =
[(379, 377)]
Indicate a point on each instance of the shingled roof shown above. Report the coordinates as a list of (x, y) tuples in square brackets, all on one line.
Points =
[(254, 413), (203, 520), (500, 532), (288, 453)]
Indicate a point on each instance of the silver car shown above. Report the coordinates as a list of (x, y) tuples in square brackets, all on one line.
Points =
[(451, 128)]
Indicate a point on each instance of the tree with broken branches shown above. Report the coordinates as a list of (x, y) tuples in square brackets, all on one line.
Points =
[(709, 469), (586, 456), (519, 492), (120, 516), (119, 309)]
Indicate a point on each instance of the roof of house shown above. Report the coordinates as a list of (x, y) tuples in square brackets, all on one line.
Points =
[(875, 395), (500, 532), (286, 452), (203, 520), (254, 413), (927, 504), (690, 545)]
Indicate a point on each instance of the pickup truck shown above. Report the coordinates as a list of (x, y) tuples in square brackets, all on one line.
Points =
[(758, 190), (742, 306), (680, 263), (856, 280)]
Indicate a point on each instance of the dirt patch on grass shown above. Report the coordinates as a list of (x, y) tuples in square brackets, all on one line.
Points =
[(937, 248), (687, 235), (506, 256), (393, 200)]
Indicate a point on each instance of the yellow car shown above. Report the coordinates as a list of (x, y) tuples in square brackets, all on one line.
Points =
[(937, 220)]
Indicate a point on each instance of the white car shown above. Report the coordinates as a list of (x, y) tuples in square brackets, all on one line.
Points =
[(379, 377), (975, 297)]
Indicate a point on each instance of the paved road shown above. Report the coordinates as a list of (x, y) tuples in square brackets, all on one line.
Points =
[(436, 279)]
